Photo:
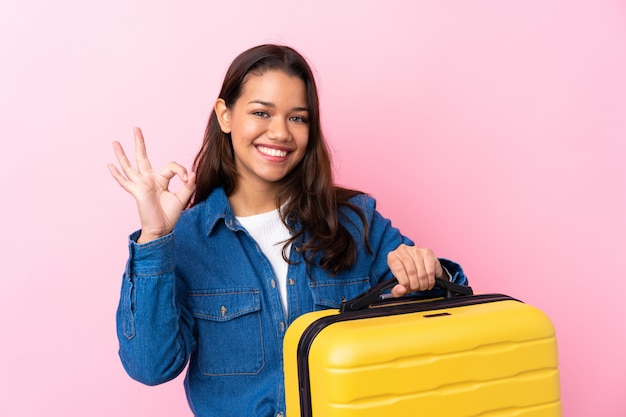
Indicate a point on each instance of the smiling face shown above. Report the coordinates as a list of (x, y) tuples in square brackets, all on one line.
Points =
[(269, 128)]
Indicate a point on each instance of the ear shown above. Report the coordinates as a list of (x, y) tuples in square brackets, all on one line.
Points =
[(223, 115)]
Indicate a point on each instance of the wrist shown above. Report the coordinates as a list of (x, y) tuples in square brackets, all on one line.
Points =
[(147, 237)]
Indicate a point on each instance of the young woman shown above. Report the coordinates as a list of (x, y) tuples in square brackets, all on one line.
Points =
[(257, 235)]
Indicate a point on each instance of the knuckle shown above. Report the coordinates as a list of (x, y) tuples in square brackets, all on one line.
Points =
[(411, 270), (403, 248)]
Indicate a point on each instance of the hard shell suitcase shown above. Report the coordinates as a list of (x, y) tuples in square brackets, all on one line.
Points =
[(461, 355)]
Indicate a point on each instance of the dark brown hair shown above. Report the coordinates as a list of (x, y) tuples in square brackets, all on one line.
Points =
[(308, 195)]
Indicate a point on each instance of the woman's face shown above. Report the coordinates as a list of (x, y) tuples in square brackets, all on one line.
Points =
[(269, 127)]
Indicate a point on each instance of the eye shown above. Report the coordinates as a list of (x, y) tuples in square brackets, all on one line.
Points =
[(298, 119), (260, 113)]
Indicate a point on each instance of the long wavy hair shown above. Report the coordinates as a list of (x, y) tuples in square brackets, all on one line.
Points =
[(308, 196)]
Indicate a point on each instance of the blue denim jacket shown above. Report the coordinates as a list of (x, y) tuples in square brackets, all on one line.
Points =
[(206, 294)]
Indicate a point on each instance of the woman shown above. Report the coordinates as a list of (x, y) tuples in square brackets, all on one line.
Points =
[(257, 235)]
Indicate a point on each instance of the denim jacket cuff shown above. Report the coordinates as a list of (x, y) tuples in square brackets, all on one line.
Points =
[(152, 258), (455, 271)]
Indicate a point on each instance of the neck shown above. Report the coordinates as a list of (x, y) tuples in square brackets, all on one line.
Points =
[(246, 201)]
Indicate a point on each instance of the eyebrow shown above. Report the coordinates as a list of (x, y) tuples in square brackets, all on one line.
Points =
[(272, 105)]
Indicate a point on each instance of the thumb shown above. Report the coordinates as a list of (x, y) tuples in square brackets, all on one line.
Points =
[(398, 290)]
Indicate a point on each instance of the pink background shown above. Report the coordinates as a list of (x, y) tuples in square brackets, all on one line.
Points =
[(492, 131)]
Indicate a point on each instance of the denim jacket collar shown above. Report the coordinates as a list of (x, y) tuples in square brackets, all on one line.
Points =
[(217, 208)]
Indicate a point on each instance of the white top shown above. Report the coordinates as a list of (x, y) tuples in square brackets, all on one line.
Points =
[(270, 234)]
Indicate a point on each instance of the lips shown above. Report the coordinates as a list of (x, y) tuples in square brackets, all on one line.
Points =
[(277, 153)]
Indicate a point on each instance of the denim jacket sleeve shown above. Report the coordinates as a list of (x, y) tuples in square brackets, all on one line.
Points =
[(155, 331)]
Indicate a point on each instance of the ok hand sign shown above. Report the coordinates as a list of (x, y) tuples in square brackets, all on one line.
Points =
[(159, 208)]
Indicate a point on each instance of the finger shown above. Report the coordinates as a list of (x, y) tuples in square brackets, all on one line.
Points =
[(173, 169), (398, 260), (418, 271), (121, 179), (122, 159), (141, 154), (432, 267), (439, 272), (427, 280), (428, 268), (186, 191)]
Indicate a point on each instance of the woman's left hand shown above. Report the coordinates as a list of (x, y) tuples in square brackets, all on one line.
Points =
[(415, 268)]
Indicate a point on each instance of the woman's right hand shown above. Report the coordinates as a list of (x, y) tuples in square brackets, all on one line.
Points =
[(159, 208)]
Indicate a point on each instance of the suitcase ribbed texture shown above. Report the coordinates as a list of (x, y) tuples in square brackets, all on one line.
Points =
[(491, 359)]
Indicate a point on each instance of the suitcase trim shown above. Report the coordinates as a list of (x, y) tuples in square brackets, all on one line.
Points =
[(386, 308)]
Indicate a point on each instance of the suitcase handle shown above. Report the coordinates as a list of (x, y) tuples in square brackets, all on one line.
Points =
[(373, 295)]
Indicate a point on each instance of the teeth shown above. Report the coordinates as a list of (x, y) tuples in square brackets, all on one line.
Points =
[(272, 152)]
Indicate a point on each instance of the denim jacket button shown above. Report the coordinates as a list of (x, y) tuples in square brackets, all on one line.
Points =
[(273, 282), (279, 415), (223, 311), (292, 281), (282, 327)]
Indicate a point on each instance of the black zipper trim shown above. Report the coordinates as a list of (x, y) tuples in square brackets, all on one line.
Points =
[(376, 310)]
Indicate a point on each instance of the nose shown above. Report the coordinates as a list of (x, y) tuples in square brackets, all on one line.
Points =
[(278, 130)]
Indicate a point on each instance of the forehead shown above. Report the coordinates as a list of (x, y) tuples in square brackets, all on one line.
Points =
[(274, 85)]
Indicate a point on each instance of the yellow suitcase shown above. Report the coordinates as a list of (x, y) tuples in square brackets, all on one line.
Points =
[(462, 355)]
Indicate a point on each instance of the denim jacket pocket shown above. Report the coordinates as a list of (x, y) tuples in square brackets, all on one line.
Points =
[(230, 337), (329, 293)]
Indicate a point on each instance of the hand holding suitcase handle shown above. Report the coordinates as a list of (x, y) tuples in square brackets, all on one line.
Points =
[(374, 294)]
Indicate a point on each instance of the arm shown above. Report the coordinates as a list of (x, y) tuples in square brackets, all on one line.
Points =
[(154, 326)]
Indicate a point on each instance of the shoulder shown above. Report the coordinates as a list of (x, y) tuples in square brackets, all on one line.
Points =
[(355, 207), (364, 201), (349, 200)]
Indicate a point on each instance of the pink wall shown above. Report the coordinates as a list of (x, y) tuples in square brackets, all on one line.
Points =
[(493, 132)]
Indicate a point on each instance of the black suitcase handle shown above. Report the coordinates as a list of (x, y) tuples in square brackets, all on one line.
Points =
[(373, 295)]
